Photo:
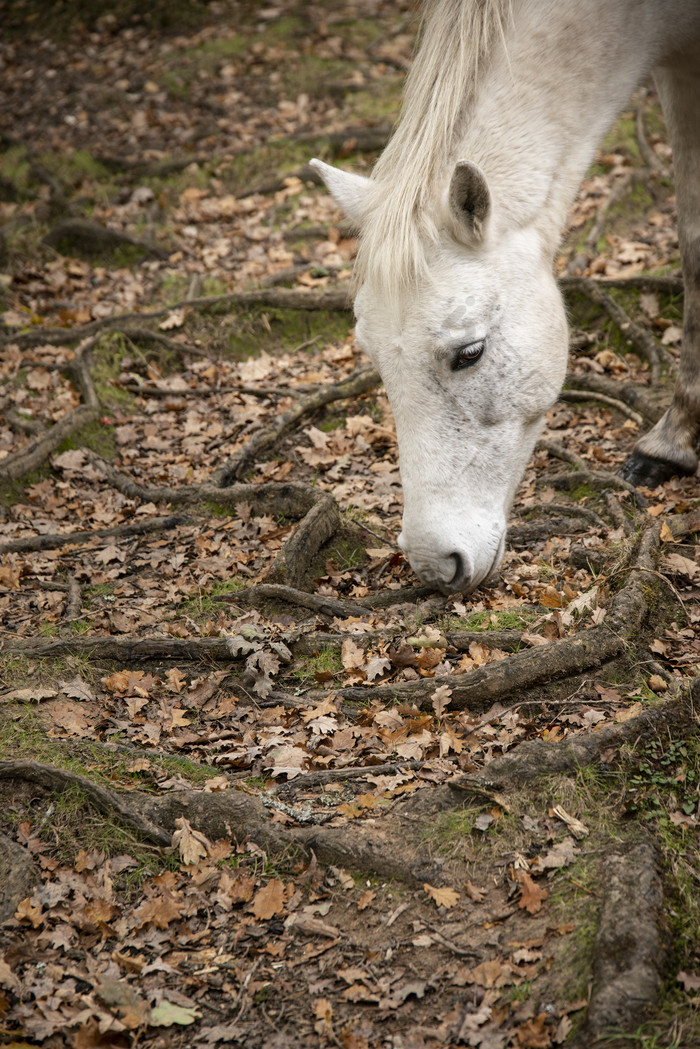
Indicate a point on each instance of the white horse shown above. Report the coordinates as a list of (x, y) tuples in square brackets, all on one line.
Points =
[(457, 304)]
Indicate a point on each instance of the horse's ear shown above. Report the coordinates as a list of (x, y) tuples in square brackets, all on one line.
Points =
[(469, 202), (349, 191)]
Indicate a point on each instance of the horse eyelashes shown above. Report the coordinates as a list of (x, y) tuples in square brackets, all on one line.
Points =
[(467, 355)]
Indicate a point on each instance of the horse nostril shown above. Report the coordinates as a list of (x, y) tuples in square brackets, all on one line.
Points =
[(459, 577)]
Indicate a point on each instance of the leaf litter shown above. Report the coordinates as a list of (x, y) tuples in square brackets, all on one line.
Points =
[(90, 956)]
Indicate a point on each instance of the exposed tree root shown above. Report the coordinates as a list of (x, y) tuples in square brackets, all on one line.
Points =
[(583, 474), (537, 758), (631, 394), (106, 801), (35, 454), (602, 398), (320, 603), (54, 542), (521, 537), (332, 299), (361, 381), (318, 510), (631, 944)]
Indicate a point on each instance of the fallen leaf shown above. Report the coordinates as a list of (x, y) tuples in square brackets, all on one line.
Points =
[(167, 1013), (269, 900), (441, 699), (531, 895), (441, 897), (191, 844), (560, 855)]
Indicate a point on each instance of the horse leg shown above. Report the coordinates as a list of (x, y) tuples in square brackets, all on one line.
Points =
[(669, 448)]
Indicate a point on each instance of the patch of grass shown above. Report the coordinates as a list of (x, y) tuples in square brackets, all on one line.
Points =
[(327, 661), (203, 605)]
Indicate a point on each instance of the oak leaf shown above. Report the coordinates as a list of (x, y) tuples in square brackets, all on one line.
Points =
[(269, 900), (531, 895), (441, 897), (192, 845)]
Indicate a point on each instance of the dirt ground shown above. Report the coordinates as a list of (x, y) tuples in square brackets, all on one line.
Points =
[(259, 786)]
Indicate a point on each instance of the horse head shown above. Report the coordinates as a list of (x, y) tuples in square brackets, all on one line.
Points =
[(472, 353)]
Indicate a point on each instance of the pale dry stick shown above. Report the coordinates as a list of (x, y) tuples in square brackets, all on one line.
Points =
[(570, 394), (632, 394), (359, 382)]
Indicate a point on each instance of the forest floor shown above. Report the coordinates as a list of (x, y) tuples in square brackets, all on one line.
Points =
[(258, 785)]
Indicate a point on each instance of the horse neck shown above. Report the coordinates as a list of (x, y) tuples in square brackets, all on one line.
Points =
[(548, 98)]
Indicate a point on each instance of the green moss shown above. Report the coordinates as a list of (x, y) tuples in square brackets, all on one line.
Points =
[(97, 436)]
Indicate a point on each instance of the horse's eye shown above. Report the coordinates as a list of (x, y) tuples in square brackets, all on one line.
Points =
[(467, 355)]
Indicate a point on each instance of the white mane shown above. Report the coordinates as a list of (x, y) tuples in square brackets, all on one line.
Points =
[(456, 38)]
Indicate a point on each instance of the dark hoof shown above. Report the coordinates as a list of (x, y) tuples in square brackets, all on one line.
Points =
[(641, 469)]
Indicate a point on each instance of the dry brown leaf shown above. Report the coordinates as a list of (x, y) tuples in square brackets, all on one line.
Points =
[(441, 699), (269, 900), (488, 973), (531, 896), (441, 897), (192, 845)]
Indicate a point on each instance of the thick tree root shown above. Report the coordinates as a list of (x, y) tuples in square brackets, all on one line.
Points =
[(318, 510), (630, 949), (14, 467), (332, 299), (108, 802), (54, 542), (537, 758)]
